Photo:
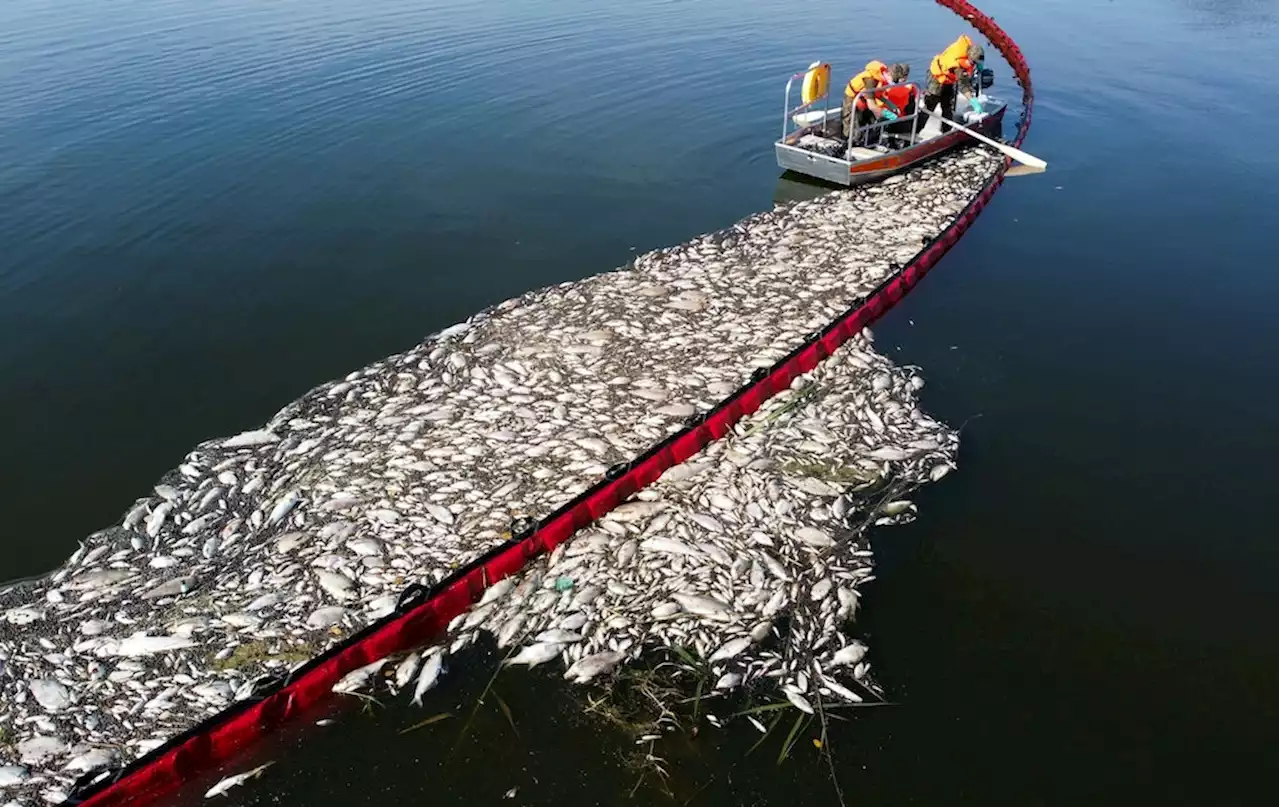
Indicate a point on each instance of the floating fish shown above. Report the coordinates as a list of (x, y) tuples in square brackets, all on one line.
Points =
[(140, 644), (52, 695), (430, 674), (588, 667), (235, 781), (359, 678)]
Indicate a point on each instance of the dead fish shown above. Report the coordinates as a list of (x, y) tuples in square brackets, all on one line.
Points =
[(241, 620), (635, 511), (257, 437), (430, 674), (889, 453), (815, 537), (510, 629), (588, 667), (197, 525), (730, 649), (50, 694), (283, 507), (761, 631), (840, 690), (896, 507), (234, 781), (558, 636), (172, 588), (799, 701), (775, 567), (498, 590), (535, 654), (815, 487), (36, 750), (626, 552), (358, 678), (851, 653), (290, 541), (706, 522), (441, 514), (140, 644), (669, 546), (324, 617), (365, 547), (157, 518), (100, 578), (821, 589), (702, 605), (729, 680), (265, 601), (336, 585), (96, 758), (405, 670), (13, 775)]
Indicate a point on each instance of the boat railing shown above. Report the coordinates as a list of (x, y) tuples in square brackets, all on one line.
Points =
[(858, 134), (788, 114)]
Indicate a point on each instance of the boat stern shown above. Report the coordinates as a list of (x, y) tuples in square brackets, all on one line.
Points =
[(828, 168)]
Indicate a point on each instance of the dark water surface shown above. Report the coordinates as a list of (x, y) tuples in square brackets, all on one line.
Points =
[(210, 207)]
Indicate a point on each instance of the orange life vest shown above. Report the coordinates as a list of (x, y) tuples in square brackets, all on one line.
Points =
[(874, 70), (956, 56)]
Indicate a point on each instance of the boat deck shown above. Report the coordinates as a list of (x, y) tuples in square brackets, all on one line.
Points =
[(831, 143)]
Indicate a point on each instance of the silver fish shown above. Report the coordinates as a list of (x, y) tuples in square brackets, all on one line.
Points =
[(255, 437), (430, 674), (588, 667), (172, 588), (359, 678), (405, 670), (536, 654), (52, 695), (235, 781), (284, 506), (140, 644), (851, 653), (13, 775)]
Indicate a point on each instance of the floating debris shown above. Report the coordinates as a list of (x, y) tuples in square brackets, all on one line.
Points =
[(262, 549)]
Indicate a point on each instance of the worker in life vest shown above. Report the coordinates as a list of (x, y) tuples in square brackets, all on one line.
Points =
[(858, 111), (953, 70), (902, 101)]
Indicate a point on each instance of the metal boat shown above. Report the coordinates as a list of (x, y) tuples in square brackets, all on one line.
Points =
[(813, 142)]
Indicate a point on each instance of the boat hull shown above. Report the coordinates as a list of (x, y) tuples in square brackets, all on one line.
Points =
[(845, 172)]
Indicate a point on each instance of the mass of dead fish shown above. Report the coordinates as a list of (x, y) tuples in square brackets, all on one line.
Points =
[(260, 550)]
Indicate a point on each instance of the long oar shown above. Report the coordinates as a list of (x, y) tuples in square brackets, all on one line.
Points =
[(1017, 154), (1020, 170)]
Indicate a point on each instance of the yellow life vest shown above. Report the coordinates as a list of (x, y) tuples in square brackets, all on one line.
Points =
[(956, 56), (875, 70)]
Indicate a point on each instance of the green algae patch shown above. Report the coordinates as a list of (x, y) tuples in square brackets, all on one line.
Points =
[(828, 472), (260, 652)]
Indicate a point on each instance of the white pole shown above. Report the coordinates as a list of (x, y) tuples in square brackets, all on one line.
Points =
[(1017, 154)]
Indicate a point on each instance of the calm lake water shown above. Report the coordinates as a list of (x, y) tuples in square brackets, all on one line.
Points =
[(210, 207)]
